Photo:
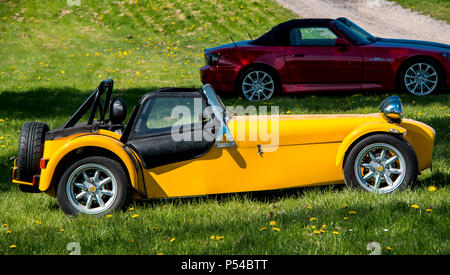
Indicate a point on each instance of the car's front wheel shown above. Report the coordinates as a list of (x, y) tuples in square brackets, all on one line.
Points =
[(421, 77), (258, 84), (92, 185), (381, 164)]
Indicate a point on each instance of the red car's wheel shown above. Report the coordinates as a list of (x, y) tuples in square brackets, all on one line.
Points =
[(421, 77), (258, 84)]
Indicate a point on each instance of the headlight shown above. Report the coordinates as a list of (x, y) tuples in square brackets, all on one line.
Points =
[(392, 108), (446, 55), (212, 59)]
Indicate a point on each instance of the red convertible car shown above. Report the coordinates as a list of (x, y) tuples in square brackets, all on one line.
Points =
[(312, 55)]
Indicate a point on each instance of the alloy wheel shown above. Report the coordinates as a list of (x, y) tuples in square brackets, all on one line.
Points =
[(421, 79), (258, 85), (380, 168), (91, 188)]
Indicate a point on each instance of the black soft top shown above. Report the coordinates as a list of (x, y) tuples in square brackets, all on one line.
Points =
[(279, 35)]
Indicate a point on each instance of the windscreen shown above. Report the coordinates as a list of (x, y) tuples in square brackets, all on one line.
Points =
[(356, 30)]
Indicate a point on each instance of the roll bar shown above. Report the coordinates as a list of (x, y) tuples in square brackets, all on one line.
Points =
[(93, 101)]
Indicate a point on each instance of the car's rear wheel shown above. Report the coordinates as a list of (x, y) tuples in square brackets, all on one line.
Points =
[(29, 153), (381, 164), (258, 84), (420, 77), (93, 185)]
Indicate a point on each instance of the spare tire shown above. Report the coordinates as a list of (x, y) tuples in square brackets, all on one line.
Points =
[(30, 151)]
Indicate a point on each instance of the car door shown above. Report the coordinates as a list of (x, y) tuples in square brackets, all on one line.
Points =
[(314, 58), (170, 128)]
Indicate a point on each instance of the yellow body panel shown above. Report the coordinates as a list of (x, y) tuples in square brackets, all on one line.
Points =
[(55, 150), (363, 130), (309, 151)]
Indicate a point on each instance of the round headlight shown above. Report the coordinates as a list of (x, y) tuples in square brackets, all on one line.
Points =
[(392, 108)]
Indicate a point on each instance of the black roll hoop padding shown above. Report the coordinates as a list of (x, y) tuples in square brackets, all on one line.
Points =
[(93, 102)]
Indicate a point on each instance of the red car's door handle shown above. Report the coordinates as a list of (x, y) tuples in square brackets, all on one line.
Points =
[(298, 55)]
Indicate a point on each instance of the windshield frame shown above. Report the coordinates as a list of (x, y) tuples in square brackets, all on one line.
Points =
[(353, 32), (224, 138)]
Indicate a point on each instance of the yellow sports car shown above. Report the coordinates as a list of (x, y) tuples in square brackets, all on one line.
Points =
[(169, 149)]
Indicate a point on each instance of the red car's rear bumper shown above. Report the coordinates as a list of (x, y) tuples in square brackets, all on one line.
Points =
[(222, 80)]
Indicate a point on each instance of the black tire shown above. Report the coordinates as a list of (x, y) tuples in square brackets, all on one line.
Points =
[(253, 71), (403, 148), (434, 66), (30, 151), (67, 203)]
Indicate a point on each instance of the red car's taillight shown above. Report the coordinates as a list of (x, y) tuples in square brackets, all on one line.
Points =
[(212, 59)]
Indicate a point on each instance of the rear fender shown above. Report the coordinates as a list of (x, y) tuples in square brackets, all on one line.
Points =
[(108, 143)]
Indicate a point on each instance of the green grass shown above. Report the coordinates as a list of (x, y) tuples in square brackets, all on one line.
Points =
[(439, 9), (39, 41)]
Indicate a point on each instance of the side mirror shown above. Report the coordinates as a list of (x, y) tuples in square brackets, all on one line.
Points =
[(339, 42)]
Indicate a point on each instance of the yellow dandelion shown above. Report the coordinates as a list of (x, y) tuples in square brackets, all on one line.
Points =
[(12, 246), (63, 72), (38, 222), (345, 205), (159, 253), (345, 218), (321, 230), (312, 219), (272, 223), (415, 206), (62, 230), (431, 188), (262, 228), (335, 232), (288, 112), (172, 240), (388, 248), (134, 216), (309, 207), (324, 226), (352, 212), (4, 225), (7, 232), (428, 210), (317, 232), (131, 209), (109, 216), (275, 229), (313, 227), (164, 206), (99, 75)]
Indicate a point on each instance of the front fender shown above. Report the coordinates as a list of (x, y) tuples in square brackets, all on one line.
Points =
[(363, 130), (100, 141)]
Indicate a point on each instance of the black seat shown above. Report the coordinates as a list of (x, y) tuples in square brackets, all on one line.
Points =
[(117, 115)]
